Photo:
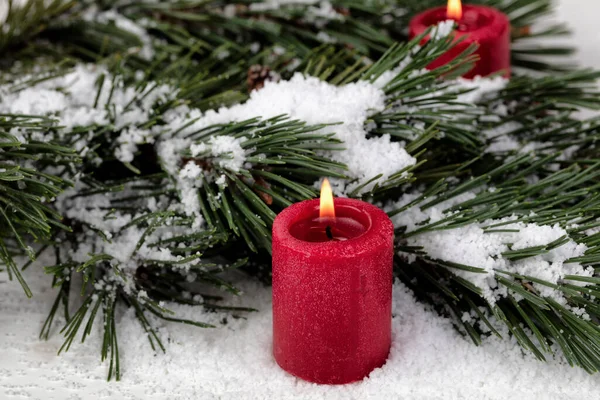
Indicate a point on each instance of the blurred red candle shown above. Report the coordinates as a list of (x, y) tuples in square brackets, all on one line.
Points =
[(332, 289), (487, 26)]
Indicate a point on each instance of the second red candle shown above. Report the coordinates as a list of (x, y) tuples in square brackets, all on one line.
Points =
[(486, 26)]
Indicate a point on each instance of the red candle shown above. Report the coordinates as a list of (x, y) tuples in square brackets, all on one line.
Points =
[(332, 289), (486, 26)]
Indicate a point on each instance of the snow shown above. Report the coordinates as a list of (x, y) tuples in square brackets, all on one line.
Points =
[(276, 4), (124, 23), (304, 98), (48, 101), (478, 87), (414, 216), (500, 139), (114, 233), (443, 29), (472, 246), (319, 12), (316, 102), (70, 98), (187, 183), (228, 151), (428, 360)]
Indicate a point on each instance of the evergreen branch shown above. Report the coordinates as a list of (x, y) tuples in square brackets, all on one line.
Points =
[(25, 20), (25, 189), (525, 305), (284, 160)]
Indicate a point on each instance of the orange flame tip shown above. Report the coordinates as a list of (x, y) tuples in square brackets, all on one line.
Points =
[(326, 209), (454, 10)]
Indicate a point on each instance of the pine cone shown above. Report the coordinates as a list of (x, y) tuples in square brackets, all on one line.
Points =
[(522, 31), (345, 11), (257, 76)]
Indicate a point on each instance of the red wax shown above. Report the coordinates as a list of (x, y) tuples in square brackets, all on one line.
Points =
[(332, 297), (316, 229), (488, 27)]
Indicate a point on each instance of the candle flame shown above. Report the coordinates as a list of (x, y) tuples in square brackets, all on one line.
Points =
[(326, 208), (454, 10)]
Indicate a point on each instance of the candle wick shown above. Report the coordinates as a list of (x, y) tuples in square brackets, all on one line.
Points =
[(328, 233)]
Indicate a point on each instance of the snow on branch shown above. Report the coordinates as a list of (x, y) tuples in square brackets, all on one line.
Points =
[(311, 100)]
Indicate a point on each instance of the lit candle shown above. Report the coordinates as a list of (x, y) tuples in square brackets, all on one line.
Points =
[(486, 26), (332, 289)]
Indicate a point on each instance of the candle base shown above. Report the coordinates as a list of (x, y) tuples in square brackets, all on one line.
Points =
[(341, 379)]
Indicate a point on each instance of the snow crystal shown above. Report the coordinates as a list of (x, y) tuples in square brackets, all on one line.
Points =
[(228, 151), (443, 29), (90, 210), (223, 54), (190, 170), (221, 180), (500, 140), (68, 96), (46, 101), (128, 140), (255, 47), (122, 240), (170, 152), (568, 153), (229, 10), (324, 11), (323, 37), (470, 245), (198, 148), (70, 99), (276, 4), (479, 87), (414, 216)]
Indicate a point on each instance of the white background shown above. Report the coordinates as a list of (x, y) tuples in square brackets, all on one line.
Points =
[(582, 17)]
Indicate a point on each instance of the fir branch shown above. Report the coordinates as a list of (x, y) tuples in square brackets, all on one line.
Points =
[(283, 160), (25, 190), (25, 20), (547, 320)]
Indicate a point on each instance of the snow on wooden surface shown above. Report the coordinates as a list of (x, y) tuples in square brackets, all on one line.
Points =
[(429, 359)]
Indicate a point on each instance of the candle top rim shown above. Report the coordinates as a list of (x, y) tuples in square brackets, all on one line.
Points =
[(380, 230), (314, 229), (496, 19)]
